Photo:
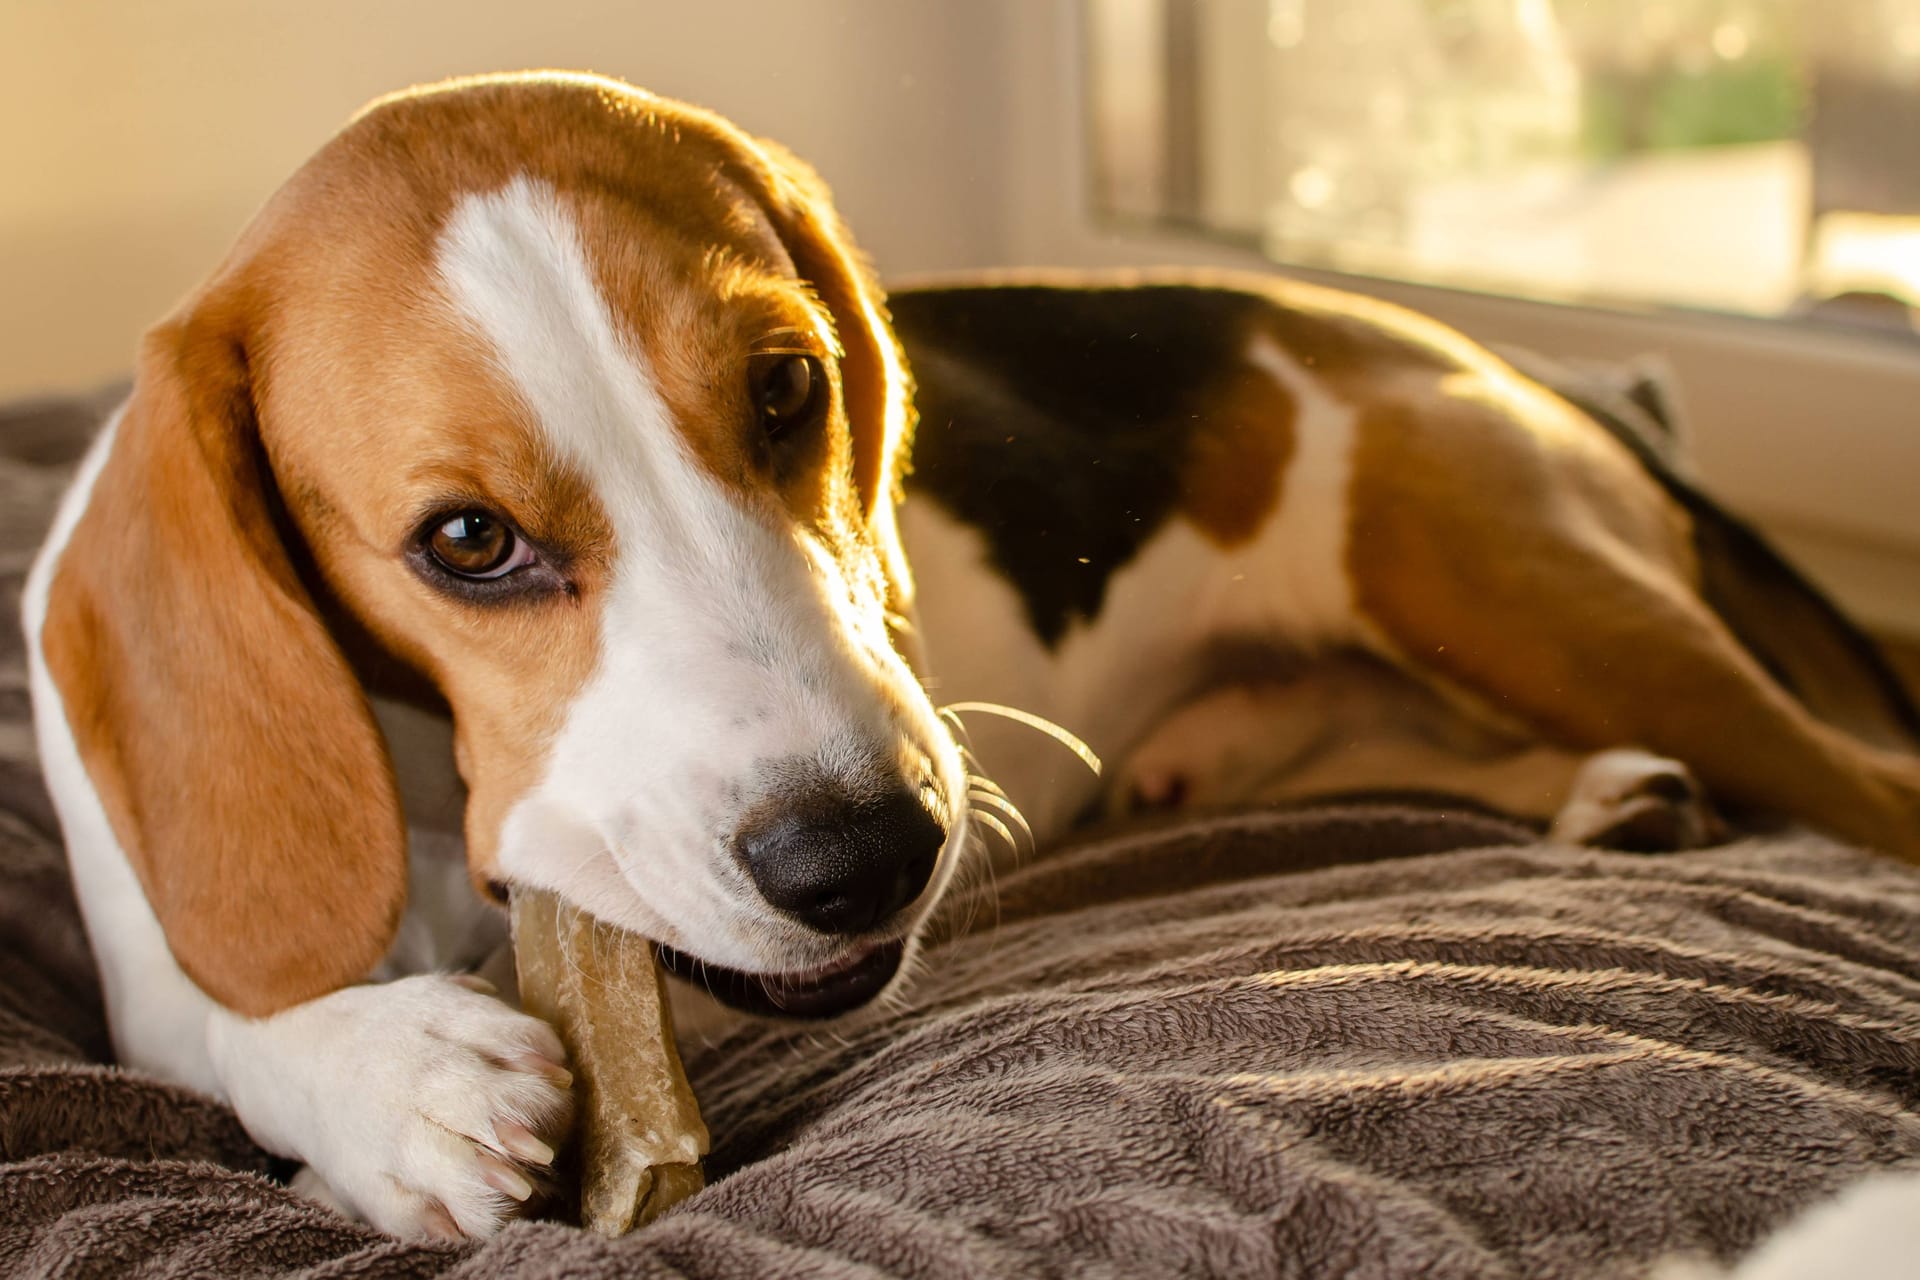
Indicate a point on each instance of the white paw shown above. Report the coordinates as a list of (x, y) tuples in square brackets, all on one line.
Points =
[(309, 1185), (424, 1105), (1634, 800)]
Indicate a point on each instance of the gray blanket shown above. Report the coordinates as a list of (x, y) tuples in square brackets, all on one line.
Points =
[(1336, 1042)]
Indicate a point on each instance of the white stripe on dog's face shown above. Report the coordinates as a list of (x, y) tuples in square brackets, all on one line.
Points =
[(728, 641)]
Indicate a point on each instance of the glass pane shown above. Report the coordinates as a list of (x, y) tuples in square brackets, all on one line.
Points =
[(1757, 156)]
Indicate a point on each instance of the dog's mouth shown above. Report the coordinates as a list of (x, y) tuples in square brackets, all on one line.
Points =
[(825, 992)]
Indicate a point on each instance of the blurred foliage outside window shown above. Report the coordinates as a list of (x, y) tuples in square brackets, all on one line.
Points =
[(1755, 156)]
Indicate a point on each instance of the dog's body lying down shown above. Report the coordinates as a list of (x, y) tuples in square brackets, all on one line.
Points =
[(562, 420), (1257, 539)]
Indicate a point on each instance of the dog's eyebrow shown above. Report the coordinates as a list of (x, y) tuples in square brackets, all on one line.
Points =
[(803, 341), (452, 499), (534, 500)]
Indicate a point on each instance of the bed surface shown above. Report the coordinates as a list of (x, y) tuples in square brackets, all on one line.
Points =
[(1370, 1042)]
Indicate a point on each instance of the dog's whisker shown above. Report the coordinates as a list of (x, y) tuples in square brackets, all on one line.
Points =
[(985, 802), (990, 890), (1039, 724), (985, 789), (994, 824), (996, 801), (981, 782), (970, 873), (958, 728), (978, 880), (970, 761)]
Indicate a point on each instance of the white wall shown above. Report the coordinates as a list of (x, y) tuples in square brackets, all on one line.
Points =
[(136, 137)]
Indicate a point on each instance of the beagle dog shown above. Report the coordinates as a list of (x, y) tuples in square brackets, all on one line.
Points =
[(521, 501)]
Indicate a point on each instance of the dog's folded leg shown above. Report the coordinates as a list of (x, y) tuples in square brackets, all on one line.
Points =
[(425, 1105)]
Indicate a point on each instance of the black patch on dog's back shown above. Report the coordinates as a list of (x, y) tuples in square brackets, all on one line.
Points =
[(1058, 421)]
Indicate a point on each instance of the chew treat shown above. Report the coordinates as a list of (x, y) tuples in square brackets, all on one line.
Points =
[(638, 1137)]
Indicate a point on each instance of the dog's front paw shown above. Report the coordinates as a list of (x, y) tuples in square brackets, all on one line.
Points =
[(425, 1105)]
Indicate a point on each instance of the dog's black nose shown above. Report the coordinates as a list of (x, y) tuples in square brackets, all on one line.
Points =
[(842, 866)]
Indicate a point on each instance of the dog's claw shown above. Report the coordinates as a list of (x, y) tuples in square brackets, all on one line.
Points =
[(518, 1140), (504, 1178), (438, 1224)]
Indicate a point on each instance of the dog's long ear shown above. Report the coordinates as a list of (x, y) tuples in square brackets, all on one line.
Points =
[(873, 375), (231, 745)]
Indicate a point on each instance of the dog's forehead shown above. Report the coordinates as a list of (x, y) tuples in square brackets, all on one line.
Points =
[(627, 347), (457, 270), (516, 271), (666, 201)]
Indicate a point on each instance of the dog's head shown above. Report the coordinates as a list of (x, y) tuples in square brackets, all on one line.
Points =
[(576, 404)]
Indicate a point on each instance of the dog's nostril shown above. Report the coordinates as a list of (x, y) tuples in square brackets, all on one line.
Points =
[(839, 867)]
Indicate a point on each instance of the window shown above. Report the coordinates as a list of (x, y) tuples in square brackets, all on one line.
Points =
[(1759, 157)]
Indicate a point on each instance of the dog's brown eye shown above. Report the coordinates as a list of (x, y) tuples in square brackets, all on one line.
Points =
[(788, 390), (474, 544)]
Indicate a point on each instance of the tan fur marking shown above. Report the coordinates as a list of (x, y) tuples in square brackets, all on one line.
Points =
[(1592, 635), (229, 743), (507, 671), (1241, 445)]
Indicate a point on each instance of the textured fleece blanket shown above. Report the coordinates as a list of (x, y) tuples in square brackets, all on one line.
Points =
[(1368, 1042)]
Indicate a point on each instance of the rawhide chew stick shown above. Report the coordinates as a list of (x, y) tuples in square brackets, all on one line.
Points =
[(638, 1137)]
